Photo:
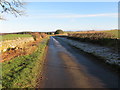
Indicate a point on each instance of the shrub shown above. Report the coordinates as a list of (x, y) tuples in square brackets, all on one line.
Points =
[(59, 31)]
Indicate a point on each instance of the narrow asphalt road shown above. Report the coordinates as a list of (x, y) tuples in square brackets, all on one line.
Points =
[(67, 67)]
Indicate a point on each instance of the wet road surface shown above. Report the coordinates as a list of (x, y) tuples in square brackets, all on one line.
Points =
[(67, 67)]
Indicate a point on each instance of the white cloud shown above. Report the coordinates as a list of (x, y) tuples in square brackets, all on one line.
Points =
[(75, 15)]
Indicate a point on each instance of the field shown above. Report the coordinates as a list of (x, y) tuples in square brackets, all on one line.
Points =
[(116, 33), (103, 38), (13, 36), (22, 71)]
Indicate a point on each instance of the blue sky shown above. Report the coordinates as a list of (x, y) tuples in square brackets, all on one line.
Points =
[(69, 16)]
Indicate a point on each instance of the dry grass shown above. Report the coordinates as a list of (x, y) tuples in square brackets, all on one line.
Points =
[(96, 37), (100, 34), (92, 35)]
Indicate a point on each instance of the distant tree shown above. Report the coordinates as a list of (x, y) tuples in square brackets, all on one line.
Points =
[(11, 6), (59, 31), (49, 33)]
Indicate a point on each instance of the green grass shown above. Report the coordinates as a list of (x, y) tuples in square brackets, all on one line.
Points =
[(13, 36), (22, 72)]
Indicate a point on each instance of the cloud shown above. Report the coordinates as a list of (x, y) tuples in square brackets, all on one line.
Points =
[(75, 15)]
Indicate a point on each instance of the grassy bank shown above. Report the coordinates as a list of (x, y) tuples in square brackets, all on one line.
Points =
[(22, 72), (13, 36)]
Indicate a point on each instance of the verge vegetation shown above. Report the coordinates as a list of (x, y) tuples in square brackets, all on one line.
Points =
[(22, 71)]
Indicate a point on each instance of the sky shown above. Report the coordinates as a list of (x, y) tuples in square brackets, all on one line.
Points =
[(68, 16)]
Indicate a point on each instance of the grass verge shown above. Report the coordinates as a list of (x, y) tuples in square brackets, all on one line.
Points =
[(22, 72)]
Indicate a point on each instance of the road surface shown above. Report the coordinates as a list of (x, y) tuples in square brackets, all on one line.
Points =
[(67, 67)]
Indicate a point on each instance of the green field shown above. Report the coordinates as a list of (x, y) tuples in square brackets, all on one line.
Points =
[(13, 36), (23, 71)]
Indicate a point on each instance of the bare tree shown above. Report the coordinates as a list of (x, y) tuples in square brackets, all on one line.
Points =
[(11, 6)]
